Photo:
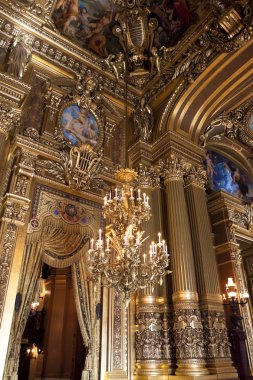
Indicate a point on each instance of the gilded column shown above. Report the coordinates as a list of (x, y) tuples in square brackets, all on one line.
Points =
[(217, 348), (153, 337), (12, 240), (187, 329), (9, 120)]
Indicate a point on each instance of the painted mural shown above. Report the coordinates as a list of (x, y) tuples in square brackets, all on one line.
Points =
[(79, 126), (89, 23), (224, 175)]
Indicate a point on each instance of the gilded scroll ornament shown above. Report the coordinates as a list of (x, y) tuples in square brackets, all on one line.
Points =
[(80, 168), (21, 185)]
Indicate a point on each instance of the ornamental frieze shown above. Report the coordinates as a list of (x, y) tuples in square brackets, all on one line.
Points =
[(215, 333), (188, 334), (153, 336)]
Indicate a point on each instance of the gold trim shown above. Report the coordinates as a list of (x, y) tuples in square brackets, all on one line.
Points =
[(185, 295)]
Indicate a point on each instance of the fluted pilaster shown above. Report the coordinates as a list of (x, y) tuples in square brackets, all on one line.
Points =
[(217, 349), (187, 328), (153, 343)]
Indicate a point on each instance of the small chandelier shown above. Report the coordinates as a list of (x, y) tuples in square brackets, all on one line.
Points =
[(119, 259)]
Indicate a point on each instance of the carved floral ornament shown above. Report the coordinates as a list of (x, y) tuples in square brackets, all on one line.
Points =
[(237, 124)]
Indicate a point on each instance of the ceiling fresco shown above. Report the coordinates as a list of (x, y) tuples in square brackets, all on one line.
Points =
[(224, 174), (89, 23)]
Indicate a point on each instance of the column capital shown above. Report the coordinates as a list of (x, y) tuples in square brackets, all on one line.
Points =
[(196, 176), (173, 168), (148, 176)]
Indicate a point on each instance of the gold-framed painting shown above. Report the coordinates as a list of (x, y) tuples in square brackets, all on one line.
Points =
[(80, 126)]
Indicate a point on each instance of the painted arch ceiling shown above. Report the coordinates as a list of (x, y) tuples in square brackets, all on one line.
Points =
[(204, 50)]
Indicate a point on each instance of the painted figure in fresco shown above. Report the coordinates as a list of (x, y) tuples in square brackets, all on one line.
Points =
[(210, 169), (86, 26), (225, 175), (97, 42), (69, 13), (90, 23), (19, 56), (81, 128)]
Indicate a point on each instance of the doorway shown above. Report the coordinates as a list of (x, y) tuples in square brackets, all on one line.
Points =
[(52, 344)]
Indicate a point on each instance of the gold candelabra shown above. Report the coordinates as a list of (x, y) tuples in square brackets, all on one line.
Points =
[(119, 259)]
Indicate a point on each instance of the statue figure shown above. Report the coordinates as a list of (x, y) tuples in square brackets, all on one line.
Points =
[(154, 61), (143, 120), (118, 64), (19, 56)]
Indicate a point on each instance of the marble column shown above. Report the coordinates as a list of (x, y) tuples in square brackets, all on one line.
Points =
[(153, 335), (187, 329), (217, 348)]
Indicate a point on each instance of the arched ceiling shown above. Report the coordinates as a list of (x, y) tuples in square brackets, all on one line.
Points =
[(223, 86)]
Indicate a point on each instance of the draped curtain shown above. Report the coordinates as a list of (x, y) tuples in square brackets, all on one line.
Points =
[(87, 300), (59, 245), (31, 267)]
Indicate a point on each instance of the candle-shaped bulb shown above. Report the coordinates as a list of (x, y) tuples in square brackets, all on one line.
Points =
[(147, 202), (144, 197), (91, 243), (99, 234), (131, 192), (110, 196), (108, 244), (138, 238)]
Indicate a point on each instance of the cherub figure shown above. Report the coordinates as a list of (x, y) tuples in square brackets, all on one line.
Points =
[(154, 61), (19, 56), (118, 64)]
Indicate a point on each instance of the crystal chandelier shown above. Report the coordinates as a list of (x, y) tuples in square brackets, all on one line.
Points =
[(119, 259)]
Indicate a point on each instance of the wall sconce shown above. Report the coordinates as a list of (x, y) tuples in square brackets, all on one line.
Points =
[(232, 297), (32, 352)]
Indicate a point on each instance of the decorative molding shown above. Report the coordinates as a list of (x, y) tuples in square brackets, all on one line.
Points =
[(7, 250)]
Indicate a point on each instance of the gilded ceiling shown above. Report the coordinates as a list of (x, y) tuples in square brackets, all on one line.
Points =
[(91, 24)]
